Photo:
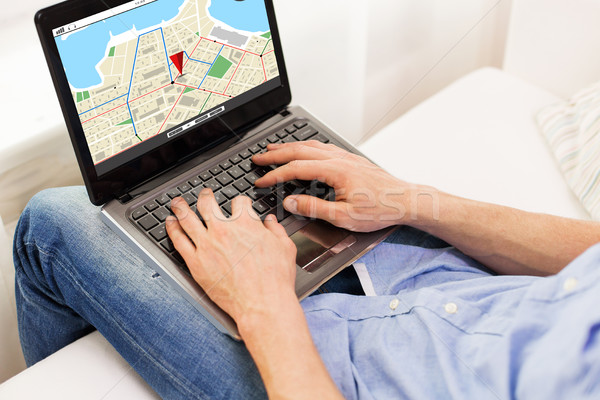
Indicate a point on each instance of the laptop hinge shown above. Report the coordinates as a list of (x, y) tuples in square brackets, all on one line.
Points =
[(124, 198)]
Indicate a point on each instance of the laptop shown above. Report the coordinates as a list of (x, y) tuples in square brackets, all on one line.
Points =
[(163, 98)]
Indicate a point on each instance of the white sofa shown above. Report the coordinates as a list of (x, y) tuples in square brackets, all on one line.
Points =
[(477, 138)]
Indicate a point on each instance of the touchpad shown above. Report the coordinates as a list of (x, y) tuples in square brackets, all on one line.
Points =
[(317, 242)]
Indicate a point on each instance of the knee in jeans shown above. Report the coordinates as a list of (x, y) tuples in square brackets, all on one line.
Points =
[(48, 209)]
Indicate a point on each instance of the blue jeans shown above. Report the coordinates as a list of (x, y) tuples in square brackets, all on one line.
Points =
[(74, 275)]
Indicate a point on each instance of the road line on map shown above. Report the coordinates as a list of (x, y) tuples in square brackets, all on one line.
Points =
[(103, 104), (234, 72), (113, 109), (211, 65), (176, 101)]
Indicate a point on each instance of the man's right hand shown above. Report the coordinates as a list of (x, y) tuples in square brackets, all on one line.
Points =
[(367, 198)]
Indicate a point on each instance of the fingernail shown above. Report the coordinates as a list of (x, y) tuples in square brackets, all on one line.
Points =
[(170, 219), (273, 145), (291, 204)]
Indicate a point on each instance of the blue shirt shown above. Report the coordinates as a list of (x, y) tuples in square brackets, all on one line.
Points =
[(442, 326)]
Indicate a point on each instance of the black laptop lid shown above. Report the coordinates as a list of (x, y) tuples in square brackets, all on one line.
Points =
[(144, 84)]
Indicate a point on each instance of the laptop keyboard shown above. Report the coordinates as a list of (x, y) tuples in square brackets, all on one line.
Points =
[(232, 177)]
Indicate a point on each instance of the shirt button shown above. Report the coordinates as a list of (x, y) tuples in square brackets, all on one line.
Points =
[(570, 284), (394, 304), (451, 308)]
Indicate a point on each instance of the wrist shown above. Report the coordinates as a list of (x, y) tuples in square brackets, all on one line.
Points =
[(421, 206), (254, 321)]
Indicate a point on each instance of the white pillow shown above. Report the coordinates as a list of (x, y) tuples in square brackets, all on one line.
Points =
[(572, 129)]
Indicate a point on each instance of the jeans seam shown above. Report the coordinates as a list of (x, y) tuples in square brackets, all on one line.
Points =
[(119, 324)]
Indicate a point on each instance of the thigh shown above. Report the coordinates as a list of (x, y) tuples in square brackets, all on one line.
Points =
[(86, 266)]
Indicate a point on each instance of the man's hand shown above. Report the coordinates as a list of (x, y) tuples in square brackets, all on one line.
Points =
[(367, 197), (248, 269), (243, 265)]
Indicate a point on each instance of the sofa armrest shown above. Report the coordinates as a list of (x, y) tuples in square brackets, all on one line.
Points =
[(89, 368)]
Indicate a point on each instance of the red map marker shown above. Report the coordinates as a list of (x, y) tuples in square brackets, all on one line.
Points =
[(178, 61)]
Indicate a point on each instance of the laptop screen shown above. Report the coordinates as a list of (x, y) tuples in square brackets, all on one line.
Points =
[(146, 72)]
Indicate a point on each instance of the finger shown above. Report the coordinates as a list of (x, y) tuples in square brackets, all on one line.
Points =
[(241, 206), (208, 208), (284, 153), (274, 226), (182, 243), (188, 220), (313, 207), (307, 170)]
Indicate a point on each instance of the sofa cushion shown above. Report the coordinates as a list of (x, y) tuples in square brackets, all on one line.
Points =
[(572, 129), (478, 138)]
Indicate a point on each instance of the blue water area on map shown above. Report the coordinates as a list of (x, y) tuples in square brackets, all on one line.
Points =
[(81, 51), (245, 15)]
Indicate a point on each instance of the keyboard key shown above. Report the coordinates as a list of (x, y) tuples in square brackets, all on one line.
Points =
[(162, 200), (224, 179), (184, 188), (205, 176), (139, 213), (230, 192), (251, 178), (196, 192), (236, 172), (227, 209), (245, 154), (321, 138), (242, 185), (273, 138), (291, 129), (167, 244), (262, 171), (148, 222), (226, 165), (255, 149), (253, 194), (151, 206), (189, 198), (247, 165), (195, 182), (235, 159), (220, 198), (215, 170), (161, 214), (179, 259), (282, 134), (283, 191), (260, 207), (300, 124), (305, 133), (173, 193), (263, 144), (213, 185), (271, 200), (159, 233), (282, 214)]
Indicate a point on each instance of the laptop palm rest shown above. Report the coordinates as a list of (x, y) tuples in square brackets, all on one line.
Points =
[(317, 242)]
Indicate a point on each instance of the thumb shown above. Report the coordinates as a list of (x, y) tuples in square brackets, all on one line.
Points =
[(313, 207)]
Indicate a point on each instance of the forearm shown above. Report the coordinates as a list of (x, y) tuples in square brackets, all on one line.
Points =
[(287, 359), (507, 240)]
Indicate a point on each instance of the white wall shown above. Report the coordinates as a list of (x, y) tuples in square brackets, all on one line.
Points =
[(360, 64)]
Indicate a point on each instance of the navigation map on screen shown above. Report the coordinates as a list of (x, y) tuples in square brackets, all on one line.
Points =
[(148, 66)]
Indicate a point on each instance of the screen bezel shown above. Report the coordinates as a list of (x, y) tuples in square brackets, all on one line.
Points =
[(193, 142)]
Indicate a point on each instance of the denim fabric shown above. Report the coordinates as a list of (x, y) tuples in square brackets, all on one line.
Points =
[(73, 275), (441, 325)]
